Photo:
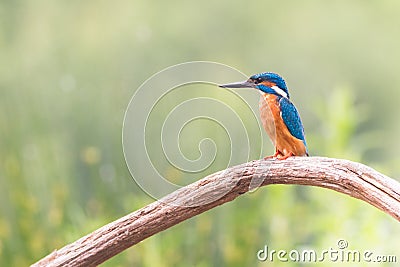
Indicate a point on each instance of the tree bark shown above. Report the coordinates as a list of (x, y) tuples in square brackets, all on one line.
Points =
[(353, 179)]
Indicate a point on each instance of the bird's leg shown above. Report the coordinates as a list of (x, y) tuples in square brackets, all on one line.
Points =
[(274, 156), (286, 156)]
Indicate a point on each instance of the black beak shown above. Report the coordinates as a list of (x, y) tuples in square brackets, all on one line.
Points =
[(245, 84)]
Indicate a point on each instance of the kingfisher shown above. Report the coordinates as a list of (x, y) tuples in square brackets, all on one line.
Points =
[(279, 116)]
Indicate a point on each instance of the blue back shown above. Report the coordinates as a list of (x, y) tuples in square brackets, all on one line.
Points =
[(292, 120)]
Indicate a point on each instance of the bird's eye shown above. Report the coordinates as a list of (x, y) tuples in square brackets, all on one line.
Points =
[(258, 80)]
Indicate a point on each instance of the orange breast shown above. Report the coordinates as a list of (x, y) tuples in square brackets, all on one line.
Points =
[(284, 142)]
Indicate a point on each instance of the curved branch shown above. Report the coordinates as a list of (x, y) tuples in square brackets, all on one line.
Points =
[(353, 179)]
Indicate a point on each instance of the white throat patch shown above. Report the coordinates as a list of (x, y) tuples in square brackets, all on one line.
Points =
[(279, 91)]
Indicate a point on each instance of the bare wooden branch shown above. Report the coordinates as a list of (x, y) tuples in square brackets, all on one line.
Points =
[(353, 179)]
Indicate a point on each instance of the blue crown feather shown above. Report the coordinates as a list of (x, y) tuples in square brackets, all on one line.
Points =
[(273, 78)]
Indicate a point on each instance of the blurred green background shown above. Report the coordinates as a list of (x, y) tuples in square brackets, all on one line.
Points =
[(69, 68)]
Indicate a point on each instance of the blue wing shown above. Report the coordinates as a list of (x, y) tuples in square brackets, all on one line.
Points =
[(292, 120)]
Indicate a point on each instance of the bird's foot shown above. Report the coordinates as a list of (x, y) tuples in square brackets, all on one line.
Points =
[(269, 157), (274, 156), (286, 156)]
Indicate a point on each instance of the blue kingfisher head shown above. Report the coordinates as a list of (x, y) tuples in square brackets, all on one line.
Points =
[(268, 82)]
